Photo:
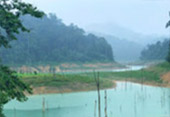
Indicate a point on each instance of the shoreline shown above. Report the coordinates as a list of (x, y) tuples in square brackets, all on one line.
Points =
[(39, 91), (155, 76), (45, 90)]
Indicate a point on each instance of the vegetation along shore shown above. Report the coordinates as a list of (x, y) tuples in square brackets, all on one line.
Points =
[(156, 75)]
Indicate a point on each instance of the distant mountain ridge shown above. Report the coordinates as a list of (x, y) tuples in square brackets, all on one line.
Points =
[(123, 50), (123, 33), (127, 45)]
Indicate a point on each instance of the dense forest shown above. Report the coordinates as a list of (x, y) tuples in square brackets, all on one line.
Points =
[(157, 51), (51, 41)]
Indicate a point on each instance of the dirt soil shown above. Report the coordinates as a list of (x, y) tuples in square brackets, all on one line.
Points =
[(166, 77), (78, 87)]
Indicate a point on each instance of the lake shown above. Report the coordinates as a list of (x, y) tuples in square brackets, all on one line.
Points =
[(126, 100)]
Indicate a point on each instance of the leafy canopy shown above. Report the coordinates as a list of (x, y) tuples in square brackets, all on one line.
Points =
[(11, 86), (10, 24)]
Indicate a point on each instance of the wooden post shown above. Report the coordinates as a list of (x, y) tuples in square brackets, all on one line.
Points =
[(125, 84), (135, 109), (97, 80), (47, 105), (95, 106), (105, 103), (142, 80), (43, 105)]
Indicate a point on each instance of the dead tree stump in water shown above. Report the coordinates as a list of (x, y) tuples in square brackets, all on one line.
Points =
[(95, 106), (105, 110), (43, 105), (97, 80)]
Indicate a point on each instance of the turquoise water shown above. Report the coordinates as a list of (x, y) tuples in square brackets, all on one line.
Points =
[(127, 100)]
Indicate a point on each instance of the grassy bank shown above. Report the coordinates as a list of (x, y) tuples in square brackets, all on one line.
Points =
[(58, 83), (151, 75)]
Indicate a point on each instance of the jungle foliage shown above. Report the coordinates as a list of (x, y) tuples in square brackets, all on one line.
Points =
[(157, 51)]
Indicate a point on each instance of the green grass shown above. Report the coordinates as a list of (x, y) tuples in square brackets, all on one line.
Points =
[(29, 75), (150, 74), (160, 68), (85, 81), (63, 81), (131, 75)]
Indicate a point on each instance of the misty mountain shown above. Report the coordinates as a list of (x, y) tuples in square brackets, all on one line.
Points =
[(51, 41), (124, 50), (123, 33)]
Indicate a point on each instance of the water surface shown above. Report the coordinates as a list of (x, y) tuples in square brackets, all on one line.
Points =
[(127, 100)]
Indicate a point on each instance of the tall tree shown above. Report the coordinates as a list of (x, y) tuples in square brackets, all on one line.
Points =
[(167, 25), (11, 87)]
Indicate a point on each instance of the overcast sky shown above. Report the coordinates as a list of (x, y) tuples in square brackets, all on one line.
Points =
[(143, 16)]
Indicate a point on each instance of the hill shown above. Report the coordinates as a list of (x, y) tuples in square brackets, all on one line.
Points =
[(156, 51), (124, 50), (51, 41), (121, 32)]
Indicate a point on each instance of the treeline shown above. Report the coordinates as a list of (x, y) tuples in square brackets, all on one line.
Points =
[(157, 51), (51, 41)]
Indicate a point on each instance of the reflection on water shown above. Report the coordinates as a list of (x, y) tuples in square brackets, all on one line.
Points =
[(127, 100), (129, 68)]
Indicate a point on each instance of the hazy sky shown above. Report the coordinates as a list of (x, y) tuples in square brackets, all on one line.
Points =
[(144, 16)]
